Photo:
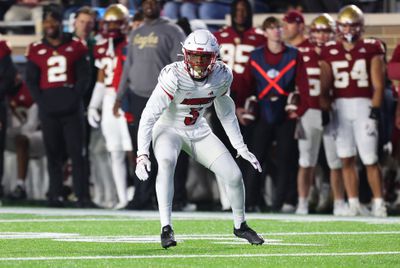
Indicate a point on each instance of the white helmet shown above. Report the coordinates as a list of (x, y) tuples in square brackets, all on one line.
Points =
[(200, 51)]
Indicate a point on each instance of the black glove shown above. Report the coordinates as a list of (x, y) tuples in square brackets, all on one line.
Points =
[(325, 118), (375, 113)]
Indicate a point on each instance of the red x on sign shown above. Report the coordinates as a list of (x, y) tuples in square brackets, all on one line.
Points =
[(274, 82)]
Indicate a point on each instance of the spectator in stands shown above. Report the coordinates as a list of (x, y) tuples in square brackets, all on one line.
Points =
[(25, 137), (274, 70), (152, 46), (27, 10), (8, 73), (196, 9), (57, 75), (237, 41)]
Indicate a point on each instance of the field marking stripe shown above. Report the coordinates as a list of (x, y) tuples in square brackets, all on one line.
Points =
[(317, 254)]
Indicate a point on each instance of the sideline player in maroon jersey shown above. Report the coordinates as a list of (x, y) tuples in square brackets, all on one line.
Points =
[(114, 129), (57, 75), (8, 73), (354, 68), (322, 30)]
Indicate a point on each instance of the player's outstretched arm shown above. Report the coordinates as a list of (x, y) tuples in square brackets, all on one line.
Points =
[(225, 109)]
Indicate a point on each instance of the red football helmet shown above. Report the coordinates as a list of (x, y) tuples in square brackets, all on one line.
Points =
[(115, 21), (350, 21), (200, 51)]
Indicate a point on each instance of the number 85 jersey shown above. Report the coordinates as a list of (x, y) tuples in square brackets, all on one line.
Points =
[(351, 69)]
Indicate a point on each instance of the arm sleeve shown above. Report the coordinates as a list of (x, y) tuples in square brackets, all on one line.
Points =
[(33, 80), (302, 85), (83, 74), (7, 77), (225, 109), (155, 106)]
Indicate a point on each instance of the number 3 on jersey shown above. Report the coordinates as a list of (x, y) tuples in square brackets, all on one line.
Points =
[(191, 120), (358, 72)]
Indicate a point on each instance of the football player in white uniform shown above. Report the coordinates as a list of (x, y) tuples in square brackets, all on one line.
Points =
[(115, 130), (173, 120)]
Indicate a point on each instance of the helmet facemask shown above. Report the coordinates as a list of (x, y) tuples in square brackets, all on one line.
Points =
[(200, 51), (350, 23), (199, 63)]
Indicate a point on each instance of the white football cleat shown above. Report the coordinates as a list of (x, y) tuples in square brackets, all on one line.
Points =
[(341, 209), (379, 210), (302, 210), (358, 210)]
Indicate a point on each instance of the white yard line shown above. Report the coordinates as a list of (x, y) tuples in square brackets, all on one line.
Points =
[(192, 256), (125, 215)]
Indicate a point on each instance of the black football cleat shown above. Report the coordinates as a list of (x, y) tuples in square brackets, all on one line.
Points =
[(249, 234), (167, 237)]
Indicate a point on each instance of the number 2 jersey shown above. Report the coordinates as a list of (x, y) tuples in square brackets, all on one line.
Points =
[(57, 77), (351, 69), (178, 101)]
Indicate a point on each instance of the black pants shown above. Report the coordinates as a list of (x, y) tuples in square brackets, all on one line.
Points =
[(59, 132), (3, 129), (285, 157), (145, 190)]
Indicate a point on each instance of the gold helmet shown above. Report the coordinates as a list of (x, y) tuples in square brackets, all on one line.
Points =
[(352, 16), (117, 15), (322, 23)]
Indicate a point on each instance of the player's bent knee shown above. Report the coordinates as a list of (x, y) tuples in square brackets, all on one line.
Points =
[(166, 164), (369, 159)]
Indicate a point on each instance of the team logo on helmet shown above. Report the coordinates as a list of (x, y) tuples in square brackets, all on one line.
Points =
[(350, 17), (200, 51), (115, 21)]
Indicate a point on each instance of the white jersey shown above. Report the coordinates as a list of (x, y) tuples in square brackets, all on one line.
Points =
[(178, 101)]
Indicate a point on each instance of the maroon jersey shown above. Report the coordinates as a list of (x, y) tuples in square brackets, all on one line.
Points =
[(235, 50), (351, 69), (311, 63), (4, 49), (56, 64), (106, 56)]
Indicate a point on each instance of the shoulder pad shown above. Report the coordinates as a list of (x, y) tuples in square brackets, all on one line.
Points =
[(168, 78)]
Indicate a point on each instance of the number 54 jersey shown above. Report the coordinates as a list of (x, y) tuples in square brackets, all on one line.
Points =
[(351, 69)]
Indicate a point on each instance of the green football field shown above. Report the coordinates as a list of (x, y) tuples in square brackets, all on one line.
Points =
[(39, 237)]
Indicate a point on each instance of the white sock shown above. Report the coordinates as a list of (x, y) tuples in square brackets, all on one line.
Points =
[(303, 202), (118, 168), (338, 202), (378, 202), (354, 202), (21, 183), (238, 217)]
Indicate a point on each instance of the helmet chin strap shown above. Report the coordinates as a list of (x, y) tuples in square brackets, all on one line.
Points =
[(351, 38)]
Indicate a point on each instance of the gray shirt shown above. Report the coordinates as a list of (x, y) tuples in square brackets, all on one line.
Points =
[(152, 46)]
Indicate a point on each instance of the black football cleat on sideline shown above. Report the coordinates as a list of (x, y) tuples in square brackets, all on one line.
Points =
[(249, 234), (167, 237)]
